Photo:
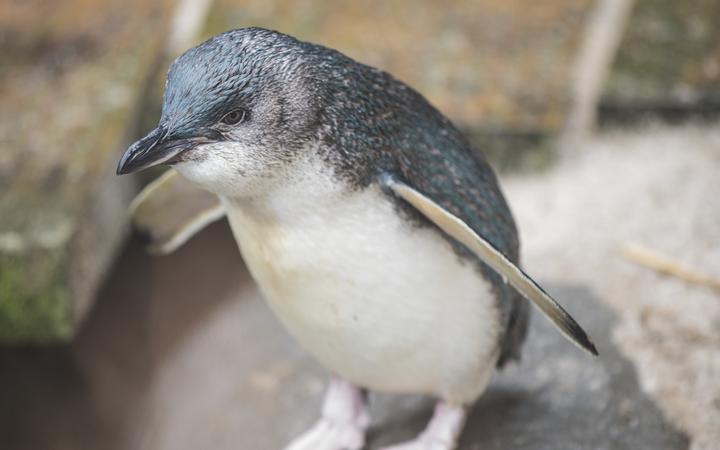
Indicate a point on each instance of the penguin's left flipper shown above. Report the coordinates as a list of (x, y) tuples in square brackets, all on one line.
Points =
[(461, 232), (171, 210)]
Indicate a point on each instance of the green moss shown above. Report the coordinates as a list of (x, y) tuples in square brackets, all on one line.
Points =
[(58, 160), (34, 300)]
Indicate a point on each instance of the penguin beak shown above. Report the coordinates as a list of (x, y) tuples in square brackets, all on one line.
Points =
[(152, 150)]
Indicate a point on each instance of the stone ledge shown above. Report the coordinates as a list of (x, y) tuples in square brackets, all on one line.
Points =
[(70, 82)]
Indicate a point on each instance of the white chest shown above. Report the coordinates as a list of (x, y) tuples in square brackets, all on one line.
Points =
[(385, 304)]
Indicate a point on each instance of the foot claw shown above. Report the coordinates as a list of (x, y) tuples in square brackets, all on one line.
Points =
[(421, 444), (325, 435)]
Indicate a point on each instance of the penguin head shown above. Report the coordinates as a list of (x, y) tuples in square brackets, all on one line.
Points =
[(237, 110)]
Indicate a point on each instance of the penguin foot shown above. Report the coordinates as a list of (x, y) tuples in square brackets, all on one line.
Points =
[(421, 444), (326, 435), (343, 423), (441, 433)]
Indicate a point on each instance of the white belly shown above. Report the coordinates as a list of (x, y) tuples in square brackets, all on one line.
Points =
[(386, 305)]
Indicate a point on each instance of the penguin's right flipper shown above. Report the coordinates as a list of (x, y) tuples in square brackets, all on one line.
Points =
[(171, 210), (457, 229)]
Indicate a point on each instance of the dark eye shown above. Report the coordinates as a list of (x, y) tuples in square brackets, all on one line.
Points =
[(235, 116)]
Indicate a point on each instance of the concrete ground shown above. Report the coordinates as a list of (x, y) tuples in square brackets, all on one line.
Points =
[(657, 187), (181, 353)]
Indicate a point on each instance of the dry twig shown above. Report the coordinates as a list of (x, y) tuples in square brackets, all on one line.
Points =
[(664, 264)]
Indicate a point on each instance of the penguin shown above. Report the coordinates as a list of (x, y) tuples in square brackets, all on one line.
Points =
[(378, 236)]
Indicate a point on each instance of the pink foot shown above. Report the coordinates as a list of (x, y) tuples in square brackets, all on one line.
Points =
[(343, 423), (441, 433)]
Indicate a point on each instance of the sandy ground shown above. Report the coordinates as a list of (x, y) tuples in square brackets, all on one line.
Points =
[(657, 187)]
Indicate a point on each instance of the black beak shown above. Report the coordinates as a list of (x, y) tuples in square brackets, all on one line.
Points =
[(152, 150)]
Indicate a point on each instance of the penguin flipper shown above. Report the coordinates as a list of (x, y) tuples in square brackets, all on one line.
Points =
[(171, 210), (461, 232)]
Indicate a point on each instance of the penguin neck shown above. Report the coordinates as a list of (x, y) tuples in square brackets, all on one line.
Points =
[(309, 190)]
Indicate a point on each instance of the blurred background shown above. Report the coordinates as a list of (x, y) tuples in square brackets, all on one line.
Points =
[(601, 117)]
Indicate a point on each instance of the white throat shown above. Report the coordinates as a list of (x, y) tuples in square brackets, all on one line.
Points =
[(307, 188)]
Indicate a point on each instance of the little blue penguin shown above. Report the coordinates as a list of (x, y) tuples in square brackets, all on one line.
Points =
[(377, 235)]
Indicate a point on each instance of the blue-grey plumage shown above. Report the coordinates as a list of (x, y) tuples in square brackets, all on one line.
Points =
[(293, 135)]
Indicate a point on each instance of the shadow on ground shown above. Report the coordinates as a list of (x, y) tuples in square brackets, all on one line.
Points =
[(559, 398)]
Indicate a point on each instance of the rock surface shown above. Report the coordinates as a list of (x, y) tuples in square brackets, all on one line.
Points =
[(181, 354), (501, 69), (69, 79), (668, 63)]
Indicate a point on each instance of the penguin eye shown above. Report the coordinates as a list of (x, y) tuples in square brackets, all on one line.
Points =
[(235, 116)]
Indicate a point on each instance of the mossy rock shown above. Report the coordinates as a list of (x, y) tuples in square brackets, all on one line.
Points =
[(34, 301), (668, 63), (70, 80)]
